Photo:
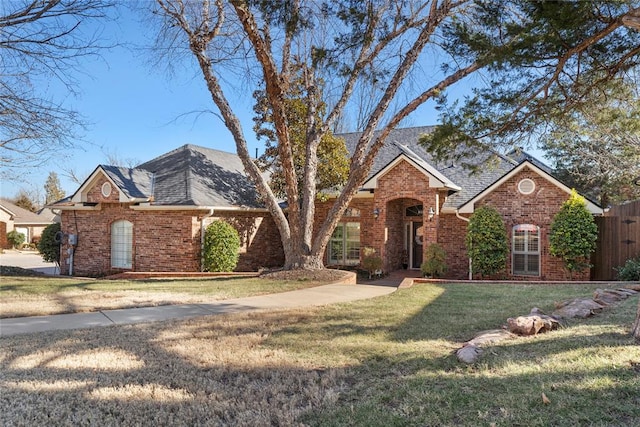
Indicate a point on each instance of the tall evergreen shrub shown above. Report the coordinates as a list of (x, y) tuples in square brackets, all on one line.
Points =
[(221, 246)]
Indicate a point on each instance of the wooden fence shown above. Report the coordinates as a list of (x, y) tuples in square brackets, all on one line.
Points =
[(618, 240)]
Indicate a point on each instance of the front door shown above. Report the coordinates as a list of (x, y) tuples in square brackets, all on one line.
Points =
[(416, 244)]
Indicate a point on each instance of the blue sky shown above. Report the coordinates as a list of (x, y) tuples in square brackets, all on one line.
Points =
[(137, 112)]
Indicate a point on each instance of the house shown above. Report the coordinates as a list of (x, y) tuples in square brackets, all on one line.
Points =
[(30, 224), (151, 218)]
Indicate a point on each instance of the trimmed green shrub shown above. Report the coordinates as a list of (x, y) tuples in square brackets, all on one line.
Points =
[(573, 234), (221, 246), (47, 246), (15, 238), (434, 264), (487, 242), (630, 271)]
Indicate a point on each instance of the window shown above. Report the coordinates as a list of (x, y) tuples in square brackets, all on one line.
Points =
[(414, 211), (121, 244), (526, 250), (526, 186), (106, 189), (344, 246)]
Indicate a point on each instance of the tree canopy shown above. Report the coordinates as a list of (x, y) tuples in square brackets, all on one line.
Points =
[(42, 43), (597, 150), (560, 59), (537, 58)]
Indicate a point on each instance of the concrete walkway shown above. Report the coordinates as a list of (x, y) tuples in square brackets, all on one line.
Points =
[(321, 295)]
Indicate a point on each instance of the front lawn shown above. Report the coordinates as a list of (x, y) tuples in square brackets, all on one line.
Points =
[(35, 296), (383, 362)]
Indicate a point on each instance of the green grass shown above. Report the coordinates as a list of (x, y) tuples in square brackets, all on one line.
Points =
[(387, 361), (402, 370)]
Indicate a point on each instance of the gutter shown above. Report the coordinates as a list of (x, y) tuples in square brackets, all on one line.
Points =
[(204, 217), (470, 262)]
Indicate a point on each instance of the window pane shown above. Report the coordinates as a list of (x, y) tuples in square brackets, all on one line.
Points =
[(533, 242), (344, 245), (121, 244), (518, 241), (526, 250), (518, 263), (533, 264)]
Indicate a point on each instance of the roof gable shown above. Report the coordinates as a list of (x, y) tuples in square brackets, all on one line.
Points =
[(131, 184), (469, 206)]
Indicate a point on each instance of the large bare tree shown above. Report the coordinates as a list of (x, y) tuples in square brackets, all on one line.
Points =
[(399, 53), (42, 44), (340, 46)]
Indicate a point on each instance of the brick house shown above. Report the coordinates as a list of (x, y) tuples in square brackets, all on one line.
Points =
[(30, 224), (150, 218)]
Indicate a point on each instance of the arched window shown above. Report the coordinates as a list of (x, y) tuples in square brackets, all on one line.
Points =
[(121, 244), (526, 250)]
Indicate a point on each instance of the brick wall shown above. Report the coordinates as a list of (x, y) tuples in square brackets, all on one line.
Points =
[(399, 188), (451, 235), (162, 240), (260, 243), (537, 208)]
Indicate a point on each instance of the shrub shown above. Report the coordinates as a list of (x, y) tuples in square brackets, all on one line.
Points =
[(434, 264), (48, 247), (15, 238), (221, 246), (630, 271), (371, 261), (573, 234), (486, 241)]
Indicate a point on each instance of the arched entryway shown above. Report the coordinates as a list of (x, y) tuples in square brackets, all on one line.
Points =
[(407, 230)]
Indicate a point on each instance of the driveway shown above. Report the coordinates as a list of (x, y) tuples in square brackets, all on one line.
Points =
[(30, 260)]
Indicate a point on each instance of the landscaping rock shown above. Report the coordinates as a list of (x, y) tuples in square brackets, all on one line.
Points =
[(577, 308), (532, 324), (610, 296), (468, 353), (471, 351)]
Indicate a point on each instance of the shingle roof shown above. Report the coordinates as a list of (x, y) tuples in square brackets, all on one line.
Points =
[(197, 176), (23, 216), (193, 175), (490, 166), (135, 183)]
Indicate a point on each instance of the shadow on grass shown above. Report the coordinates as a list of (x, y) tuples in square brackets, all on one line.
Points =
[(366, 363)]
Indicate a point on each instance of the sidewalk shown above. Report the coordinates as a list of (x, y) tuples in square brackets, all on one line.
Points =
[(321, 295)]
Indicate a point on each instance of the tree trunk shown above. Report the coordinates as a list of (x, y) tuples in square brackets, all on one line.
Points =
[(636, 325)]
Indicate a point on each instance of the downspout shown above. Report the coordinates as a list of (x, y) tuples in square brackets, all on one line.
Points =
[(207, 215), (470, 262)]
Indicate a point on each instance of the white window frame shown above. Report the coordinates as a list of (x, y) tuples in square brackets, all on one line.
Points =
[(344, 247), (525, 244), (122, 244)]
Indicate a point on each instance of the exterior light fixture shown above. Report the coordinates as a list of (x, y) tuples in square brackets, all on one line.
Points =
[(431, 213), (376, 213)]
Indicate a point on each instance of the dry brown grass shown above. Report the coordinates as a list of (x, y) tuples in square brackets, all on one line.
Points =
[(208, 371), (84, 302), (40, 296), (379, 362)]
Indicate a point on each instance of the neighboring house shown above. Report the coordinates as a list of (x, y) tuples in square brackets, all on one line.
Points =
[(151, 218), (30, 224)]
